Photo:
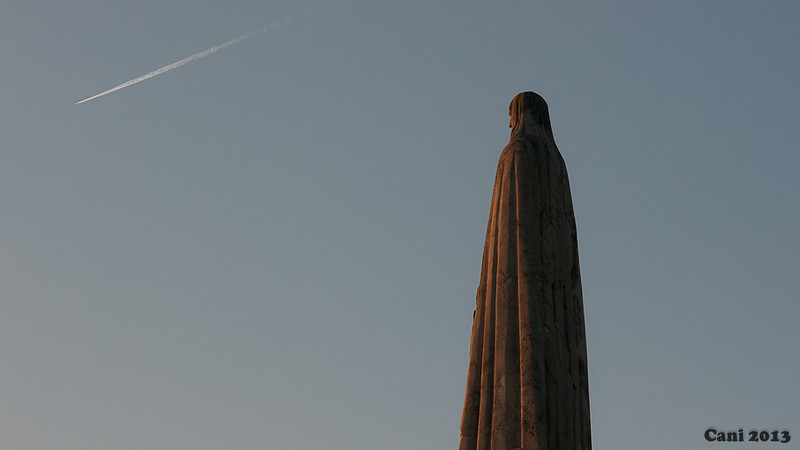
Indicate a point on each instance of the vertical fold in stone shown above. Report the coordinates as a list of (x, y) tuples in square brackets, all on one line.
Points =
[(527, 383)]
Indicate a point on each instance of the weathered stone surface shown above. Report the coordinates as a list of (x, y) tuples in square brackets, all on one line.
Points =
[(527, 383)]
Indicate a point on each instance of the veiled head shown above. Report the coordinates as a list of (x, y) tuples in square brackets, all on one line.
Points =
[(529, 115)]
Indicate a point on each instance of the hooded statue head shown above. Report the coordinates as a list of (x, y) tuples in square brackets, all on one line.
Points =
[(529, 115)]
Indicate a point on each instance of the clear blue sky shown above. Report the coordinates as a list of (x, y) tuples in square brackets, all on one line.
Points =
[(278, 246)]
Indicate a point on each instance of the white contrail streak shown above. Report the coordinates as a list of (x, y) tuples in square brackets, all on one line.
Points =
[(196, 56)]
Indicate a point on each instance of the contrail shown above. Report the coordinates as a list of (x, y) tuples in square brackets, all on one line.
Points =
[(196, 56)]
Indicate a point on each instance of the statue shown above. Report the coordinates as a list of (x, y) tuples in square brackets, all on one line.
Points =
[(527, 383)]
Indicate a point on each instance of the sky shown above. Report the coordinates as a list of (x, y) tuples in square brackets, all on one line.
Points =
[(277, 246)]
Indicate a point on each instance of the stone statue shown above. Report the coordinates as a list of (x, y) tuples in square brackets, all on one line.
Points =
[(527, 384)]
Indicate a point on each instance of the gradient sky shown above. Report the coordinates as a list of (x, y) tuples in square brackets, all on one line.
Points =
[(278, 246)]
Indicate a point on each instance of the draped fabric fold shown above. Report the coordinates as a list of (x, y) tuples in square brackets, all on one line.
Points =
[(527, 382)]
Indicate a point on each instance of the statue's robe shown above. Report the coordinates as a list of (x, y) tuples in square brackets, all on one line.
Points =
[(527, 384)]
